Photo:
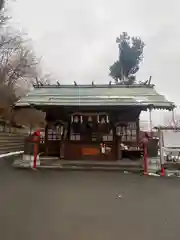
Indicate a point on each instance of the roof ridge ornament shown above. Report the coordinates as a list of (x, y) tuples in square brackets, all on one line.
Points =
[(58, 84), (110, 84)]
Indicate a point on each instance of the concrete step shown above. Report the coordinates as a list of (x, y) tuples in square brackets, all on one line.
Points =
[(101, 166), (92, 168), (56, 163), (90, 163), (88, 166)]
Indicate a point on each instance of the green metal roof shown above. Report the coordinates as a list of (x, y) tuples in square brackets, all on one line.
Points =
[(95, 95)]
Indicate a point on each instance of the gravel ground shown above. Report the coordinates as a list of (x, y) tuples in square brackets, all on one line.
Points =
[(56, 205)]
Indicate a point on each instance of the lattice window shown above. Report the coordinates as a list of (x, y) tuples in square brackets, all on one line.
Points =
[(54, 133), (108, 137), (128, 132), (42, 139), (75, 137)]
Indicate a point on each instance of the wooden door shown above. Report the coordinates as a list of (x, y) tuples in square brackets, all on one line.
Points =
[(53, 139)]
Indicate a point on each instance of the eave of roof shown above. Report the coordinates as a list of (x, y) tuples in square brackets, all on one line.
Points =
[(96, 95)]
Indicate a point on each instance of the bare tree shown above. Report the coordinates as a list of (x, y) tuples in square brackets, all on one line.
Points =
[(19, 69), (18, 66), (1, 4), (42, 79), (30, 117), (18, 63)]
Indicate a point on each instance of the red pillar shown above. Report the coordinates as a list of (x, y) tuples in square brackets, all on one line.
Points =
[(162, 173), (162, 170), (35, 154), (36, 139)]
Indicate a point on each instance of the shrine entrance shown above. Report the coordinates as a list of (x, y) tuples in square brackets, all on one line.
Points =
[(91, 137), (103, 135)]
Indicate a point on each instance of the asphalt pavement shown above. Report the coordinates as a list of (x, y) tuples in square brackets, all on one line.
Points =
[(77, 205)]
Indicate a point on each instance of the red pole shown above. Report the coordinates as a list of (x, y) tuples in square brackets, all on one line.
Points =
[(162, 170), (36, 139), (145, 160), (161, 153), (35, 154)]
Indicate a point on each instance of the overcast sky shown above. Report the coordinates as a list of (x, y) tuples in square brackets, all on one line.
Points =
[(77, 39)]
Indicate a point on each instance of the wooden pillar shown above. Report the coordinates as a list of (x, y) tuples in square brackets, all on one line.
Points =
[(63, 140), (116, 142), (46, 134), (137, 131)]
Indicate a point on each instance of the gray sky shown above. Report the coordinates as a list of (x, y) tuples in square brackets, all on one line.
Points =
[(77, 38)]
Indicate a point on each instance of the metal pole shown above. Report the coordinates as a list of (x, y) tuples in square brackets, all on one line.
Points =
[(150, 120), (173, 116)]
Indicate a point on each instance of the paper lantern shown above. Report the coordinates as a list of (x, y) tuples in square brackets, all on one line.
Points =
[(89, 119), (76, 119)]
